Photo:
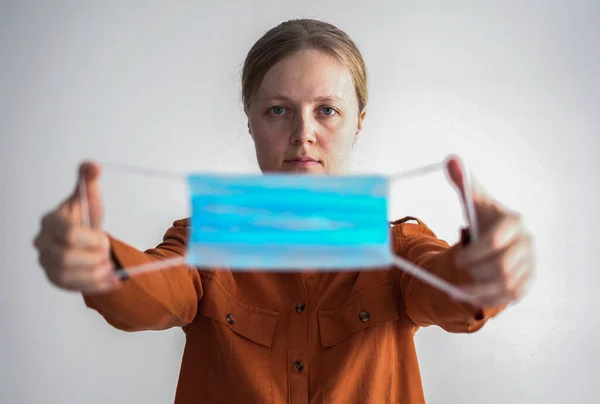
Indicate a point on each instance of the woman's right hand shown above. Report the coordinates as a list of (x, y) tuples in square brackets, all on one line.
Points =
[(74, 256)]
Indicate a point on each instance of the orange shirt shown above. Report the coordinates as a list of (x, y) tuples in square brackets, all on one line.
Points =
[(331, 337)]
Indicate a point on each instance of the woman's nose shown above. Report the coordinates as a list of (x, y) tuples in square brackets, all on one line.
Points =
[(304, 130)]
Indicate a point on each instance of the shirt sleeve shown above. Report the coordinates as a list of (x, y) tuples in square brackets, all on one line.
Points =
[(154, 300), (424, 304)]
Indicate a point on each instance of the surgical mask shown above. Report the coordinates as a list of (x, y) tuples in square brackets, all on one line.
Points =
[(291, 222)]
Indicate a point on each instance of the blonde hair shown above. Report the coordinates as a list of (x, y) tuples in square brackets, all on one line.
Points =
[(294, 36)]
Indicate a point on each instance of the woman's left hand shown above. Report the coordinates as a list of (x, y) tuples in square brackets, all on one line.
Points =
[(501, 260)]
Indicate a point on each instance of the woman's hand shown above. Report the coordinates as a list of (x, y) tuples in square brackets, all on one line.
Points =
[(501, 260), (76, 255)]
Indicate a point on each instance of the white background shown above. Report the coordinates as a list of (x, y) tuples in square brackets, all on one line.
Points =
[(511, 86)]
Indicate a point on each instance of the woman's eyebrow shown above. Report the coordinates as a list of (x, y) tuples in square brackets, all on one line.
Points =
[(283, 97), (330, 98)]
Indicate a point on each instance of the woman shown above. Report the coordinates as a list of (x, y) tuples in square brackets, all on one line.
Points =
[(339, 337)]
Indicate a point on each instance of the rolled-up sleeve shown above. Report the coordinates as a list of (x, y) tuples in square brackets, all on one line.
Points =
[(424, 304), (154, 300)]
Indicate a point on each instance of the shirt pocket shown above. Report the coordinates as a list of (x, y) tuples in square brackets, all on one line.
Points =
[(368, 308), (360, 343), (239, 338)]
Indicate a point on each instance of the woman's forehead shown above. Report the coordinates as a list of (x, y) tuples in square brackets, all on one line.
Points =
[(308, 75)]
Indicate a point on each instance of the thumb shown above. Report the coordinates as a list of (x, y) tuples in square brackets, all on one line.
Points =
[(88, 193), (480, 209), (466, 185)]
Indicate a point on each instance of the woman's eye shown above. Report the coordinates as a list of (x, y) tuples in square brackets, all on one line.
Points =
[(278, 110), (328, 111)]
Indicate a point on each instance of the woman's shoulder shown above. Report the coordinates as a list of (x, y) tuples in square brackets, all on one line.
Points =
[(406, 226), (185, 222)]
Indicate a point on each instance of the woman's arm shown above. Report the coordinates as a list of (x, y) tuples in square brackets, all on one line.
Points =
[(154, 300), (424, 304)]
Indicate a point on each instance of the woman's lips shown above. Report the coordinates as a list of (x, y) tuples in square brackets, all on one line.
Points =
[(302, 161)]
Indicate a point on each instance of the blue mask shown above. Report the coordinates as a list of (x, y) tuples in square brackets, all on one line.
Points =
[(286, 222)]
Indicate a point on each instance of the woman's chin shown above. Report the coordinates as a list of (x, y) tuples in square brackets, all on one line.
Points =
[(304, 170), (301, 167)]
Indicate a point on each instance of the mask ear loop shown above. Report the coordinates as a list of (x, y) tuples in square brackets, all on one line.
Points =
[(151, 266), (468, 203), (433, 280), (469, 234)]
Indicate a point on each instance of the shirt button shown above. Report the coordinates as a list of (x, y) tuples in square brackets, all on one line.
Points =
[(298, 367), (300, 307), (364, 316), (230, 318)]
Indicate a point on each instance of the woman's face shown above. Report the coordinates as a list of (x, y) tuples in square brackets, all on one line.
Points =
[(304, 117)]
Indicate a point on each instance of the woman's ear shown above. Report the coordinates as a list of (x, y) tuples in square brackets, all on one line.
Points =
[(359, 125), (248, 121), (247, 113), (361, 118)]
